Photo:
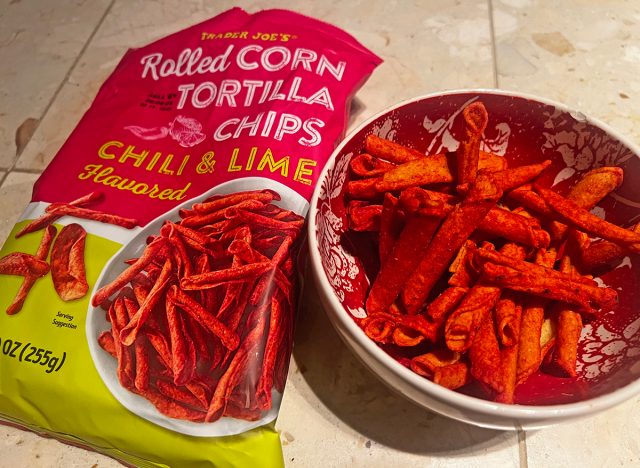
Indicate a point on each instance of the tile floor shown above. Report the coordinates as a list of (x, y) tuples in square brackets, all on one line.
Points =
[(585, 53)]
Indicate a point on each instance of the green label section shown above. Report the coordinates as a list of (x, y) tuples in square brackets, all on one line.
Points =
[(48, 379)]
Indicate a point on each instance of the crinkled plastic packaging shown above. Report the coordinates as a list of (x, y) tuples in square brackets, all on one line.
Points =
[(149, 289)]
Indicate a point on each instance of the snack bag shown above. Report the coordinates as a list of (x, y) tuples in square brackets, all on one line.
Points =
[(148, 291)]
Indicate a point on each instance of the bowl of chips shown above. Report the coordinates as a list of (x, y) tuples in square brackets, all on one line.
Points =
[(477, 250)]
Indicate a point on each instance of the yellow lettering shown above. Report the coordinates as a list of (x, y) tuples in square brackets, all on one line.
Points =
[(302, 171), (91, 169), (165, 194), (252, 157), (101, 175), (233, 167), (183, 165), (267, 159), (180, 194), (153, 161), (165, 164), (138, 157), (140, 189), (102, 152), (111, 181), (125, 184)]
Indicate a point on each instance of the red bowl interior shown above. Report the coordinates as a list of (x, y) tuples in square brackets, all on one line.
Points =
[(524, 131)]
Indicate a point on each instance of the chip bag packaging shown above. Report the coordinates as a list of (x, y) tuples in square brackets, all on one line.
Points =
[(148, 291)]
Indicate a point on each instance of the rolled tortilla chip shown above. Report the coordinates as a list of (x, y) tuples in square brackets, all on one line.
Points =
[(419, 172), (526, 197), (427, 364), (244, 357), (548, 338), (28, 282), (514, 227), (126, 371), (424, 171), (182, 359), (602, 253), (390, 151), (216, 278), (509, 358), (576, 216), (405, 256), (224, 201), (490, 163), (65, 209), (364, 189), (105, 340), (463, 323), (67, 263), (129, 332), (507, 320), (566, 348), (23, 264), (589, 191), (510, 179), (227, 337), (439, 309), (389, 227), (363, 216), (569, 328), (511, 250), (154, 251), (588, 298), (178, 394), (365, 165), (406, 337), (171, 408), (486, 255), (47, 219), (453, 232), (453, 376), (529, 356), (464, 274), (595, 185), (468, 154), (486, 364)]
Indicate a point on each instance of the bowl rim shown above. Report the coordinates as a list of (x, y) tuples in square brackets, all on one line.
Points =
[(516, 412)]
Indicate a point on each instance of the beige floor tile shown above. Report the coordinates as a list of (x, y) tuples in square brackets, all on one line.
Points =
[(335, 412), (39, 41), (583, 53), (445, 47), (609, 439), (15, 195)]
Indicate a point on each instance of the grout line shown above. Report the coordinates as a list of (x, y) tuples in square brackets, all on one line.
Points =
[(26, 171), (62, 83), (37, 172), (493, 45), (522, 448)]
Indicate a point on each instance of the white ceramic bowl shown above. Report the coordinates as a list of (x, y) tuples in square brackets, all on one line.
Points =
[(524, 129)]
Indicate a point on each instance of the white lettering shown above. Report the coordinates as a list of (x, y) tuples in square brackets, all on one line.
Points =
[(288, 124), (184, 92), (266, 55), (209, 90), (219, 135), (315, 137), (242, 62)]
